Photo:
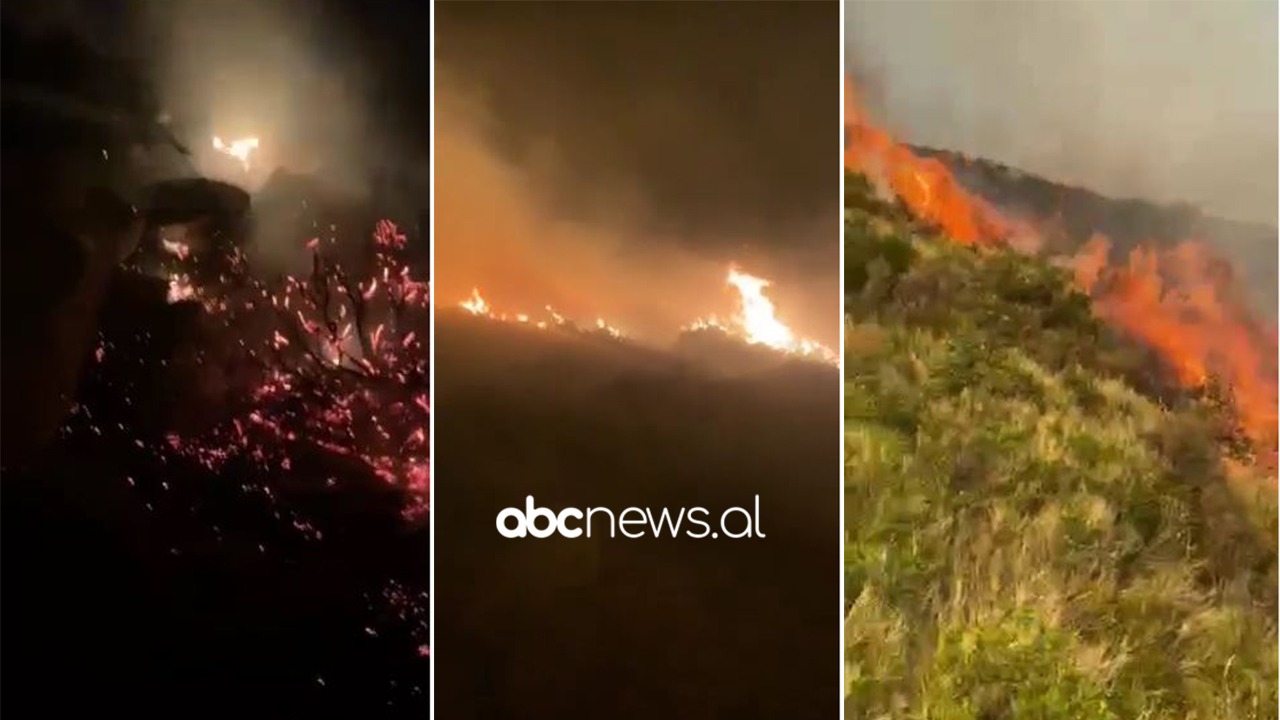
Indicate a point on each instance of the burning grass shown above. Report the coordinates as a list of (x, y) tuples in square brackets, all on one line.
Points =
[(755, 322), (1179, 302), (1059, 478)]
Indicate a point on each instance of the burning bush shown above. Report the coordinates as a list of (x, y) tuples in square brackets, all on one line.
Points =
[(340, 365)]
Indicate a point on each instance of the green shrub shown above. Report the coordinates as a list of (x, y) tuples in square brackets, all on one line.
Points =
[(1034, 527)]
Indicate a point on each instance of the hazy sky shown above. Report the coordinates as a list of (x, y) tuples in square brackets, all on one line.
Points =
[(1164, 100)]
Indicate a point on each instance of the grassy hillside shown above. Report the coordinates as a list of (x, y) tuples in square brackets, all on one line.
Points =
[(1037, 524)]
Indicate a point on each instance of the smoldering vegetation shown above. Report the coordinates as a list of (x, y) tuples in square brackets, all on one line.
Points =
[(146, 580)]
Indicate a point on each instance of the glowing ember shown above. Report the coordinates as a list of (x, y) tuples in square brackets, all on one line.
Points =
[(239, 149), (177, 249), (180, 289), (341, 371), (300, 389)]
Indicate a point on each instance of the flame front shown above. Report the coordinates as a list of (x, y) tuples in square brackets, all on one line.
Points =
[(756, 322), (1176, 301), (475, 304), (924, 185), (239, 149)]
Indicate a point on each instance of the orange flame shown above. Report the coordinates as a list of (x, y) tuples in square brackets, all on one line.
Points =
[(924, 184), (478, 306), (756, 322), (1176, 300), (475, 304), (759, 322)]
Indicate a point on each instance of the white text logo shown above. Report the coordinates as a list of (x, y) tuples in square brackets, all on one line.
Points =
[(539, 522)]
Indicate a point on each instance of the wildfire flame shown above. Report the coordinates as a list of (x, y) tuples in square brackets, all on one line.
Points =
[(478, 306), (756, 322), (608, 329), (924, 185), (758, 318), (1175, 300), (475, 304), (239, 149)]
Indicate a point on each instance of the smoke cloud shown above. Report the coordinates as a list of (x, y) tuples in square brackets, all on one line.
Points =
[(328, 88), (277, 71), (607, 160), (612, 161), (336, 95), (1164, 101)]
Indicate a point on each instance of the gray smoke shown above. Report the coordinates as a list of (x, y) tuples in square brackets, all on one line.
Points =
[(1166, 101)]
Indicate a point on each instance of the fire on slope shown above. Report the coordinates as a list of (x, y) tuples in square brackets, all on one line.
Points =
[(923, 184), (1178, 301), (755, 322), (1175, 300), (478, 306)]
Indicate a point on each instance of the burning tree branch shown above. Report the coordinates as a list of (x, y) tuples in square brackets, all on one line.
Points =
[(338, 369)]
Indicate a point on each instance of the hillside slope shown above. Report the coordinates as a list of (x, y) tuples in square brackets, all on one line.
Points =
[(653, 628), (1078, 213), (1038, 523)]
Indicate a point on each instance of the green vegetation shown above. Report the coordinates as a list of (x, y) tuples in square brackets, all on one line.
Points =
[(1035, 526)]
